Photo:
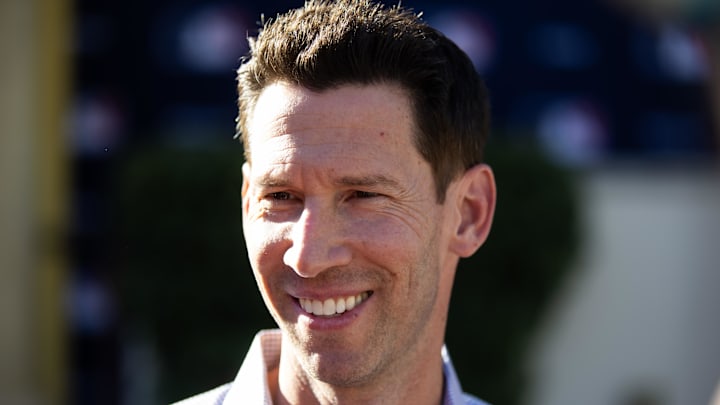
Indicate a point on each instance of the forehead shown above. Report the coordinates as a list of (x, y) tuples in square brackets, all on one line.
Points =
[(350, 105), (370, 119)]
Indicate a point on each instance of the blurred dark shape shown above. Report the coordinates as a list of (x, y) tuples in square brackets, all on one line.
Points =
[(700, 13), (202, 38), (471, 31), (98, 124), (691, 52), (673, 133), (503, 290), (671, 54), (573, 132), (90, 306), (681, 55), (94, 34), (642, 396), (184, 281), (563, 45)]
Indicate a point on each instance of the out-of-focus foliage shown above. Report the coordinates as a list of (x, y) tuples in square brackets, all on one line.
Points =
[(186, 283), (501, 292)]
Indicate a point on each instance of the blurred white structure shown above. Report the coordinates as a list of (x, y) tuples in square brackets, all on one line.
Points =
[(639, 321)]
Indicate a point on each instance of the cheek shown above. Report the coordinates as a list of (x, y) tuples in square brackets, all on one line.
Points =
[(377, 233), (394, 246), (405, 231), (264, 253), (264, 244)]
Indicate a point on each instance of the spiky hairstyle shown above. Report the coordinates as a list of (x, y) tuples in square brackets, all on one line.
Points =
[(326, 44)]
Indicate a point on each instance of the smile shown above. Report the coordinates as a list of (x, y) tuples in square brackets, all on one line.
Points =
[(332, 306)]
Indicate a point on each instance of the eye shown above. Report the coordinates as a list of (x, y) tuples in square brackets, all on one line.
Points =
[(365, 194), (281, 196)]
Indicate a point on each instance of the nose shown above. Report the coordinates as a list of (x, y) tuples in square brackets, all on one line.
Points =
[(317, 243)]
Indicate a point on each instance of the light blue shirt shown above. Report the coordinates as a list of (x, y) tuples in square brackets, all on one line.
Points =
[(250, 385)]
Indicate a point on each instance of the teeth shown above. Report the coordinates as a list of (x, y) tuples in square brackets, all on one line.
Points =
[(332, 306), (317, 307), (329, 307)]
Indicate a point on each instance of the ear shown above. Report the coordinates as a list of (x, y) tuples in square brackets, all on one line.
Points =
[(245, 186), (476, 204)]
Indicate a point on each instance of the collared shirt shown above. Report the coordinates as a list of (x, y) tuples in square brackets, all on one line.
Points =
[(251, 387)]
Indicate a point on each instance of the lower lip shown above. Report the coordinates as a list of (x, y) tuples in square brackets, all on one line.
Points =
[(329, 323)]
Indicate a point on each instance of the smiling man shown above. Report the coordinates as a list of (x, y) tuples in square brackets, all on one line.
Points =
[(363, 186)]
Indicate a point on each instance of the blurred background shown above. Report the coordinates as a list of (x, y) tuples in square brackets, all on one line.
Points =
[(123, 274)]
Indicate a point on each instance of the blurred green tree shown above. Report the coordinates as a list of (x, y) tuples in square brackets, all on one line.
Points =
[(502, 291), (184, 281)]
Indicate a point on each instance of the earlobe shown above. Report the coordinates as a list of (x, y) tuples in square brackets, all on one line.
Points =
[(476, 203)]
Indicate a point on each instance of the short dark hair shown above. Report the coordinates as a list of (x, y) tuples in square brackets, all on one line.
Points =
[(327, 44)]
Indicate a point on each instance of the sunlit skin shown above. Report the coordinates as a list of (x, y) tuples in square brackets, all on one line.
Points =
[(338, 202)]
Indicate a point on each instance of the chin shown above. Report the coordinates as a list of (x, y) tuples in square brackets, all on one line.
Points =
[(339, 368), (344, 374)]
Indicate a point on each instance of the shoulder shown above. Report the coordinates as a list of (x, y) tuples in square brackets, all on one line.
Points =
[(212, 397)]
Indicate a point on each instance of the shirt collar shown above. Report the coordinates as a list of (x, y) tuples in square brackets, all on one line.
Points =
[(250, 385)]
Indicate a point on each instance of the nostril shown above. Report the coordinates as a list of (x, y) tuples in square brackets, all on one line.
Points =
[(310, 259)]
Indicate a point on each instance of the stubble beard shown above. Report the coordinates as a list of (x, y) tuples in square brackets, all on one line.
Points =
[(327, 359)]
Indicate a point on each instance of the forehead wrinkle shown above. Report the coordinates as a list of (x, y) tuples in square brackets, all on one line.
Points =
[(278, 123), (289, 146), (303, 124)]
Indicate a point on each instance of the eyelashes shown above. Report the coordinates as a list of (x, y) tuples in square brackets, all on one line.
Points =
[(287, 196)]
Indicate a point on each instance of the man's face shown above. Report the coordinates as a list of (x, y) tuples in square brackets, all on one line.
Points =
[(345, 236)]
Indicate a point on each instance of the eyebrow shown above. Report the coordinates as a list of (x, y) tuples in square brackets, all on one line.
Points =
[(366, 181), (269, 181), (346, 181)]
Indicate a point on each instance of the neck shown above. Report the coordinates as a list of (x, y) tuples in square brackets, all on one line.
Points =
[(419, 383)]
